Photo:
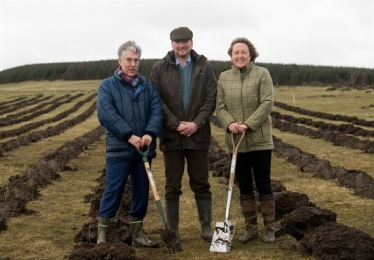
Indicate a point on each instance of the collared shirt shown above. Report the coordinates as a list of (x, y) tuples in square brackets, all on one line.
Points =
[(187, 62)]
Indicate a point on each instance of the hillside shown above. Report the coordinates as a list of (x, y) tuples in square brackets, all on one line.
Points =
[(282, 74)]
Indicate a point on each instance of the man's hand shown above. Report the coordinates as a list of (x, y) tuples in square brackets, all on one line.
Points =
[(146, 140), (187, 128), (136, 141)]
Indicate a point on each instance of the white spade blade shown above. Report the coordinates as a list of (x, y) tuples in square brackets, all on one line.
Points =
[(222, 237)]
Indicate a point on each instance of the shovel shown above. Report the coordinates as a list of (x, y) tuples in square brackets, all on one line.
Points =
[(169, 237), (224, 231)]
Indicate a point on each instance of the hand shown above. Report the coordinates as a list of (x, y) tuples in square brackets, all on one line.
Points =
[(146, 140), (237, 127), (242, 127), (187, 128), (136, 141)]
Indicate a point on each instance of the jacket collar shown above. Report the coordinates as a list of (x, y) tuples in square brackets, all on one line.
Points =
[(244, 71)]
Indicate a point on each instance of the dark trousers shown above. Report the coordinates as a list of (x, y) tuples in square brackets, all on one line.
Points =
[(258, 163), (197, 169), (117, 172)]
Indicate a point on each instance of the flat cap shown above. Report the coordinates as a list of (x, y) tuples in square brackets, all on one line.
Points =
[(181, 33)]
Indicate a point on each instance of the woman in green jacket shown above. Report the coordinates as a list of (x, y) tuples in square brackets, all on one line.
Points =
[(245, 98)]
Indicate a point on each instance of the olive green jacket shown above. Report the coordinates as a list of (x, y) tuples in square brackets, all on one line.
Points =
[(246, 96)]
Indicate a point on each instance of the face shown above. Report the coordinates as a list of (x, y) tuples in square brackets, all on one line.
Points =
[(182, 48), (129, 63), (240, 56)]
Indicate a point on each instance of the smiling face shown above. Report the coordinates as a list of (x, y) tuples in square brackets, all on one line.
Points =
[(129, 63), (240, 56), (182, 48)]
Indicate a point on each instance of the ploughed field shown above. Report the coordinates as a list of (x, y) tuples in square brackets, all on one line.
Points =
[(52, 166)]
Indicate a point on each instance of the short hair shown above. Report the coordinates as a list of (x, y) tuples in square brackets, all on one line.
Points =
[(251, 47), (129, 46)]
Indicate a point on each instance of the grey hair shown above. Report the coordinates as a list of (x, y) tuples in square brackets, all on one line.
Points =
[(129, 46)]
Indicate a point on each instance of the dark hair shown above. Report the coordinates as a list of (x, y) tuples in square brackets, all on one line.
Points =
[(251, 47)]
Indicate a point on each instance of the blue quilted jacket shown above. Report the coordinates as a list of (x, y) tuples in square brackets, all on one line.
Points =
[(124, 110)]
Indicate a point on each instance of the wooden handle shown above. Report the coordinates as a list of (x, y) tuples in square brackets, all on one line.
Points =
[(155, 193), (235, 149), (232, 173), (151, 181)]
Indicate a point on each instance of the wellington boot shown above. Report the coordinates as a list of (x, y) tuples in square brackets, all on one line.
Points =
[(267, 204), (204, 208), (102, 229), (249, 210), (172, 215), (139, 239)]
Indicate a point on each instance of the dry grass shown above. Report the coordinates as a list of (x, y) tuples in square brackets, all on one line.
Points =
[(352, 210), (351, 103), (60, 211), (60, 214), (193, 246)]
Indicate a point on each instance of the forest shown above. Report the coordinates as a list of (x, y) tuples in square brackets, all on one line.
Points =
[(282, 74)]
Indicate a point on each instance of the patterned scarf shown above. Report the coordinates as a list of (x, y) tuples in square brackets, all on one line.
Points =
[(133, 81)]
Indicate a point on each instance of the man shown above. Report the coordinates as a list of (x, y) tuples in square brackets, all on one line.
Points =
[(187, 87), (129, 108)]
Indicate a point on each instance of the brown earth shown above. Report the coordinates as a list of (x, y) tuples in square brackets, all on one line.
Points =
[(295, 215), (315, 229)]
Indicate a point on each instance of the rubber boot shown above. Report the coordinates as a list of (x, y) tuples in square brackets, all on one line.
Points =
[(204, 208), (172, 215), (249, 210), (267, 204), (139, 239), (102, 228)]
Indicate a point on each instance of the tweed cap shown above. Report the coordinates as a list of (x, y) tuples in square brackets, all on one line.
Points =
[(181, 33)]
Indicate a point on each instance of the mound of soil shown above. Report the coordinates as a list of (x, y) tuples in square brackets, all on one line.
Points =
[(315, 229), (319, 235), (302, 219), (334, 241), (113, 251), (288, 201)]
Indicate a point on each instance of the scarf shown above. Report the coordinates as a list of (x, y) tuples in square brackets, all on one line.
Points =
[(133, 81)]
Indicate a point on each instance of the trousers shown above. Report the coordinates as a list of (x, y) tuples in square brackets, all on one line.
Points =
[(197, 170), (117, 173), (258, 163)]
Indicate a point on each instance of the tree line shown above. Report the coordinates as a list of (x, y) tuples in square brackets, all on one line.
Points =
[(282, 74)]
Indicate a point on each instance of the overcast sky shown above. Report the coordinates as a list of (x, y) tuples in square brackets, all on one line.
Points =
[(313, 32)]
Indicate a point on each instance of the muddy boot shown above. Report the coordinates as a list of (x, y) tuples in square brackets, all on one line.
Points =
[(249, 209), (172, 215), (102, 228), (204, 208), (267, 204), (139, 239)]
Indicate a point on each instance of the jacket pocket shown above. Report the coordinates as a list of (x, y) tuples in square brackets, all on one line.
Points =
[(167, 135), (262, 134)]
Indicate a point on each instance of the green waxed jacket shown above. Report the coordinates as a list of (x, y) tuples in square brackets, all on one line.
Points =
[(165, 76), (246, 96)]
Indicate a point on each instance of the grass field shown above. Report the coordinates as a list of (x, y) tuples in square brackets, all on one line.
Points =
[(60, 212)]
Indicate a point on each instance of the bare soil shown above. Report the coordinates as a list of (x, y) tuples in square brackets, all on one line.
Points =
[(316, 229), (295, 215)]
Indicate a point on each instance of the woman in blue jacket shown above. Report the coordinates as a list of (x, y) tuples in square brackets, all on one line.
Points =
[(130, 109)]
